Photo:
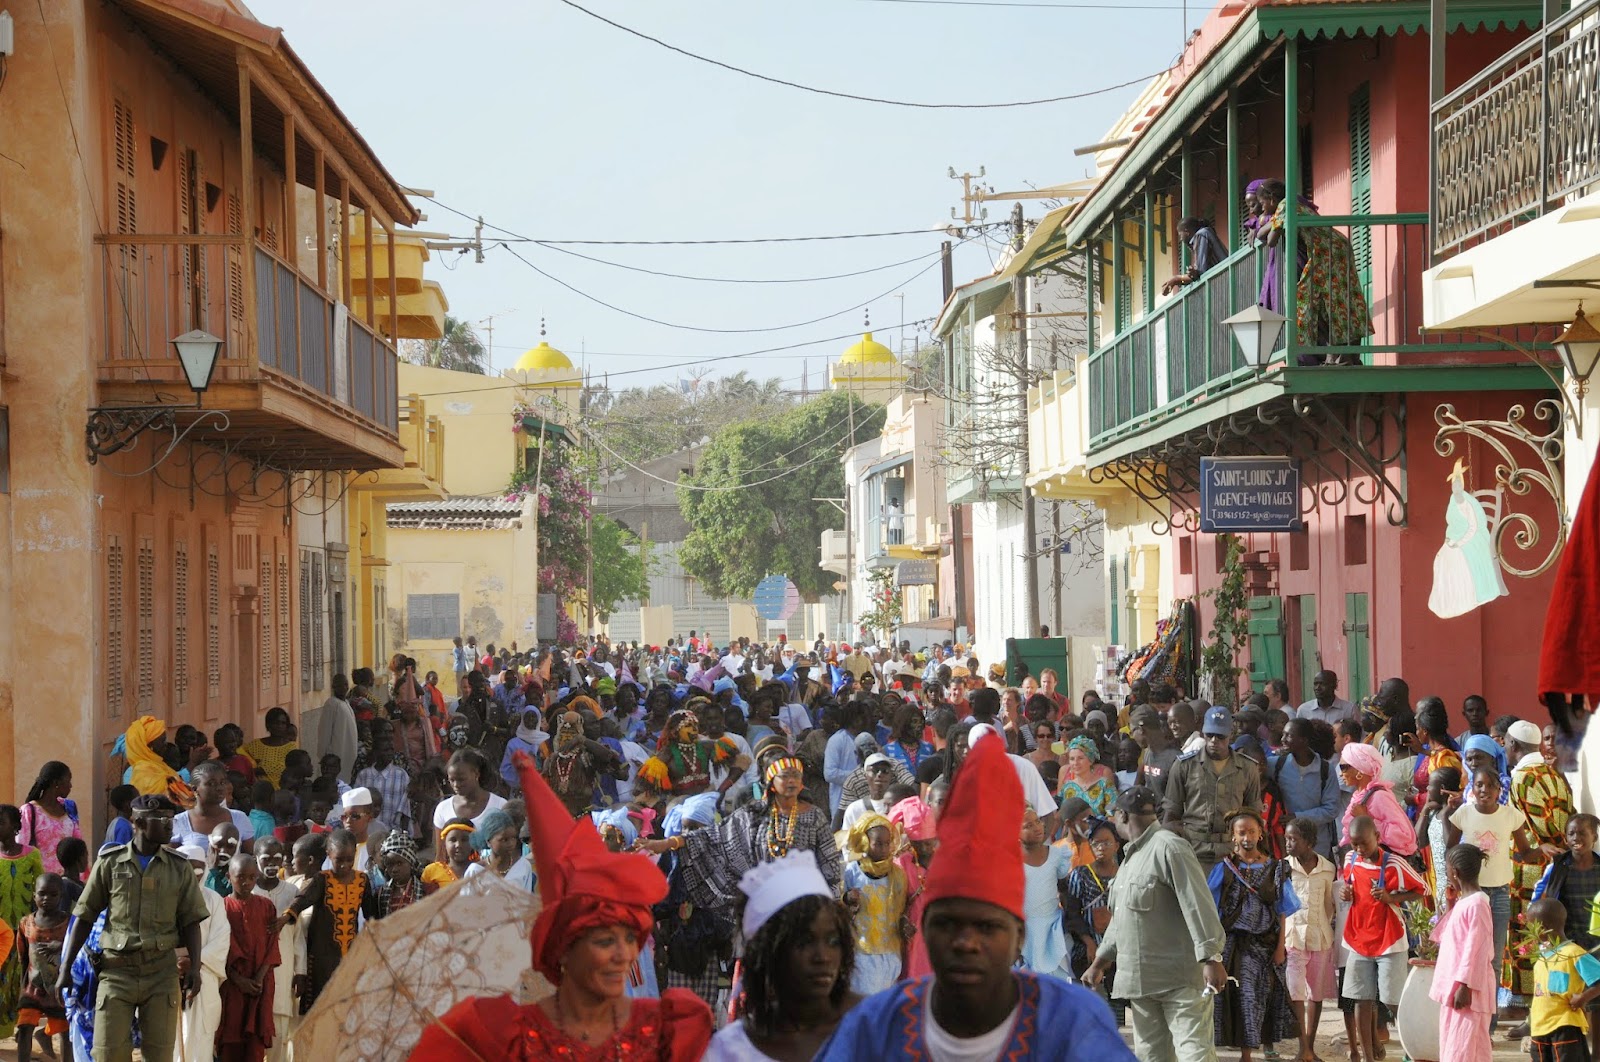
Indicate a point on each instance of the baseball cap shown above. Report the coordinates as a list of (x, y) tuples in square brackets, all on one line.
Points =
[(877, 758), (1217, 721), (1144, 715), (1140, 800)]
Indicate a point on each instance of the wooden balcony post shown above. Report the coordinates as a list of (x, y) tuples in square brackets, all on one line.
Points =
[(394, 292), (1149, 237), (1234, 193), (247, 212), (291, 240), (344, 238), (1291, 180), (320, 162), (366, 251)]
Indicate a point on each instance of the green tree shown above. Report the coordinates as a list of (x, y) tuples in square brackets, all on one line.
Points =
[(621, 566), (459, 349), (1230, 630), (641, 423), (883, 604), (751, 503)]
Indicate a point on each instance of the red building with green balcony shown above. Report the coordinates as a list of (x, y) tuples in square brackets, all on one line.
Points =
[(1333, 100)]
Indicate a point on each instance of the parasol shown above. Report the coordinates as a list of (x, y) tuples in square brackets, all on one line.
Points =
[(406, 970)]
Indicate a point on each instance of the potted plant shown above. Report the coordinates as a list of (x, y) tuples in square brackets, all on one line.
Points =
[(1417, 1016)]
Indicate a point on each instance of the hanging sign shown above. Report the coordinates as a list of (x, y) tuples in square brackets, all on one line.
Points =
[(1249, 494), (776, 598)]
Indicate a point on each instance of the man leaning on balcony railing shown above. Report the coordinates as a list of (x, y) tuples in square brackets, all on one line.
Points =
[(1205, 251)]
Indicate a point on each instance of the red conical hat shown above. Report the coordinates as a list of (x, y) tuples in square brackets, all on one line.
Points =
[(583, 885), (980, 829)]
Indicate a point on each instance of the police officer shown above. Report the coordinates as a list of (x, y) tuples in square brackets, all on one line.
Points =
[(152, 903), (1208, 786)]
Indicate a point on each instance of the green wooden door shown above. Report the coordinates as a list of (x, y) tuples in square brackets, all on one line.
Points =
[(1265, 628), (1357, 640), (1310, 651)]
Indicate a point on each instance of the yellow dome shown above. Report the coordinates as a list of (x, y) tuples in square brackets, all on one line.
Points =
[(868, 350), (543, 356)]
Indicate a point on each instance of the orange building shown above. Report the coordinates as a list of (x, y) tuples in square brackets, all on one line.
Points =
[(172, 165)]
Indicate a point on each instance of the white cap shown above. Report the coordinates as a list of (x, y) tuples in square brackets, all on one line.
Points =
[(1525, 733), (877, 758), (772, 886), (979, 732), (192, 852), (360, 796)]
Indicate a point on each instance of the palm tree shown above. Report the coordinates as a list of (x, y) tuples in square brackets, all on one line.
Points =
[(459, 349)]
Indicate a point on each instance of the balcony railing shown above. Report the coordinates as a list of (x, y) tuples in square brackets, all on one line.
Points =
[(422, 435), (157, 287), (1523, 134), (1182, 352)]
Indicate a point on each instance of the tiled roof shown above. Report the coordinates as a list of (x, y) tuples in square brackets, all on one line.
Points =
[(492, 513)]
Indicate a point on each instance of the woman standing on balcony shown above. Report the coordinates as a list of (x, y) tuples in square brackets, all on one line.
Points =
[(1330, 303), (1205, 252)]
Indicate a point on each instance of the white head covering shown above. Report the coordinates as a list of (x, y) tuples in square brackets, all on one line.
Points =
[(360, 796), (1525, 733), (979, 732), (772, 886), (192, 852)]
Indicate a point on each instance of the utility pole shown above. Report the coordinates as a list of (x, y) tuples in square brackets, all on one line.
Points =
[(958, 558), (971, 200), (1030, 531)]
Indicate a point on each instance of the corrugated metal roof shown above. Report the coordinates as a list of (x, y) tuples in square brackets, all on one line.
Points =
[(490, 513)]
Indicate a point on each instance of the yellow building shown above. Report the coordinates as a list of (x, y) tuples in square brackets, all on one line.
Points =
[(465, 561), (869, 370)]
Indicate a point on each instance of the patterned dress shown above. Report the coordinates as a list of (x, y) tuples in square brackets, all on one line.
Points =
[(1099, 793), (269, 759), (1330, 305), (1541, 793), (1251, 899), (675, 1028), (336, 911), (17, 876), (714, 859)]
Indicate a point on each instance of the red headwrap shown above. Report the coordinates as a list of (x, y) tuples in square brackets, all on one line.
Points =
[(582, 884), (979, 858)]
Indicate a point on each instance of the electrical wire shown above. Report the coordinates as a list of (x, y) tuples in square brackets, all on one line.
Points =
[(1037, 4), (738, 280), (517, 237), (850, 95), (720, 331)]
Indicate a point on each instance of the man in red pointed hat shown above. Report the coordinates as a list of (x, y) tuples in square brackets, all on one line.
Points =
[(977, 1004), (595, 918)]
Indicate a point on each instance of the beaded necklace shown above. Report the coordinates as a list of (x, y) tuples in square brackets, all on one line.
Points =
[(780, 833)]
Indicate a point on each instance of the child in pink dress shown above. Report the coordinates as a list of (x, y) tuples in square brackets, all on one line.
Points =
[(1466, 976)]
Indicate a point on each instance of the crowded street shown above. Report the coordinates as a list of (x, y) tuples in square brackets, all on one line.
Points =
[(468, 592)]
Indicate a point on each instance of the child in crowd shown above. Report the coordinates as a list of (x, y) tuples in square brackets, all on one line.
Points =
[(1573, 880), (223, 845), (1254, 896), (1375, 883), (359, 809), (1072, 833), (39, 940), (498, 842), (876, 893), (268, 852), (1310, 954), (528, 738), (456, 836), (337, 899), (1433, 828), (1566, 981), (247, 1030), (263, 819), (1466, 976), (1128, 752), (73, 855), (1088, 888), (1045, 867), (120, 802), (1494, 828), (203, 1013), (227, 740), (287, 825), (402, 872)]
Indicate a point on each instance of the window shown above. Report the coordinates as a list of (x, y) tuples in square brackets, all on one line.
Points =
[(305, 620), (115, 607), (432, 616), (1355, 540), (319, 615), (180, 622), (213, 622), (146, 612)]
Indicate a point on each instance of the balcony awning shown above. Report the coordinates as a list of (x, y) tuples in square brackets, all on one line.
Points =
[(1492, 285), (1047, 243), (531, 425), (421, 315), (894, 462), (981, 296)]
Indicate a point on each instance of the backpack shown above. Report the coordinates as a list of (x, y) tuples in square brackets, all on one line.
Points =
[(1275, 809)]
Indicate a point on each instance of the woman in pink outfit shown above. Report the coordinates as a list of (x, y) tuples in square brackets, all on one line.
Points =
[(1466, 976), (1360, 771)]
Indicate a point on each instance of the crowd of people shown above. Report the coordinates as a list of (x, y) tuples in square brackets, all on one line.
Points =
[(748, 852)]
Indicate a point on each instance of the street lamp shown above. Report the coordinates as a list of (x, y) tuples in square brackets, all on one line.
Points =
[(1256, 329), (115, 428), (1579, 347)]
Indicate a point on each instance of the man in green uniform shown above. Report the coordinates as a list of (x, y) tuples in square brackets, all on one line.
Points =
[(1208, 786), (1165, 938), (152, 903)]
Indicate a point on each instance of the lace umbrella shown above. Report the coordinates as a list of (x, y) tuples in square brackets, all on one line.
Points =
[(405, 970)]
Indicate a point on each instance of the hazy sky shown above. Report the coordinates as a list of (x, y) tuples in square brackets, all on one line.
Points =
[(558, 127)]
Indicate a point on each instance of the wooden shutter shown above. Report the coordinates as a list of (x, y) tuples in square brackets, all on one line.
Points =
[(285, 624), (116, 626), (319, 662), (1361, 183), (1358, 642), (181, 603), (145, 604), (266, 641), (1265, 629), (305, 620), (1310, 651), (213, 622), (124, 161)]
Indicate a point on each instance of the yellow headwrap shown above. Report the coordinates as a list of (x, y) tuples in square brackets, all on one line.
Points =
[(856, 843), (151, 775), (585, 704)]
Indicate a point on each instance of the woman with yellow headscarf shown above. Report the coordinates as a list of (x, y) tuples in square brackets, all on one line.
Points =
[(147, 772), (877, 893)]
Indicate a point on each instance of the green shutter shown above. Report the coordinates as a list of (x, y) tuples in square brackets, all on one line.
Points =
[(1124, 302), (1265, 628), (1361, 187), (1357, 637), (1116, 605), (1310, 652)]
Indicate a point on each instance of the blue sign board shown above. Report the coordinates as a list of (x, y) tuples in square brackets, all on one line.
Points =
[(770, 598), (1249, 494)]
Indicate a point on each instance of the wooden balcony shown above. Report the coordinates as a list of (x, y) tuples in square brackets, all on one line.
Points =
[(304, 384)]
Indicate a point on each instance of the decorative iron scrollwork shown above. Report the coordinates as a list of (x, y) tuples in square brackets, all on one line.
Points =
[(1528, 460), (112, 429)]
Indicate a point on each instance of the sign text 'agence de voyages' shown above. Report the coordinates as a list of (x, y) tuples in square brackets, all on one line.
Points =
[(1249, 494)]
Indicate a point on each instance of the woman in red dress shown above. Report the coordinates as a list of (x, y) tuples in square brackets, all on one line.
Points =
[(595, 918)]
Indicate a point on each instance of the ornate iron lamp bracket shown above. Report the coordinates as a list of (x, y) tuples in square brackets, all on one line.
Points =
[(1514, 443), (112, 429)]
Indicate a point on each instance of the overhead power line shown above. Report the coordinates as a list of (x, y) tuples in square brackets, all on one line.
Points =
[(1069, 6), (851, 95), (741, 280)]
